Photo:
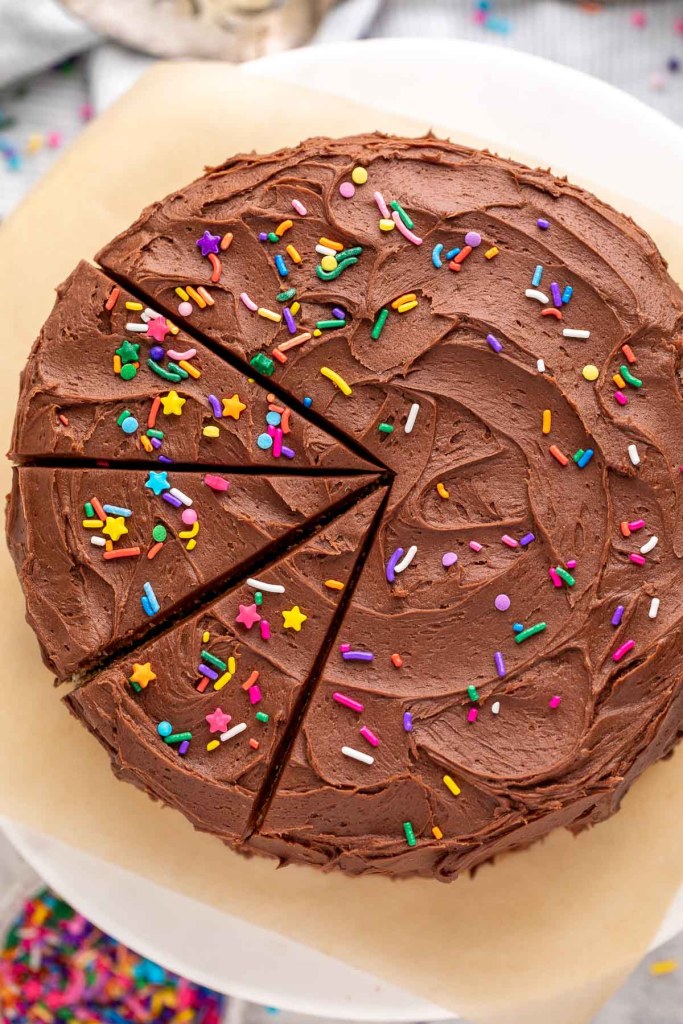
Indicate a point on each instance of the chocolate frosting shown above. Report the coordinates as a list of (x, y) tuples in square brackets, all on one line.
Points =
[(520, 454)]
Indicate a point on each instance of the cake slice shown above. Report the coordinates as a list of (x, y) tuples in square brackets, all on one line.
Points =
[(104, 555), (199, 716), (110, 379)]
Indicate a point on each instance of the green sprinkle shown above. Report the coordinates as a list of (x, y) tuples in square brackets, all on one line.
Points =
[(578, 455), (325, 325), (128, 352), (136, 686), (159, 533), (89, 510), (346, 254), (331, 275), (162, 372), (385, 428), (286, 296), (258, 598), (128, 371), (272, 237), (410, 224), (178, 737), (152, 432), (124, 416), (410, 835), (472, 693), (261, 716), (378, 326), (263, 364), (635, 382), (213, 660), (531, 631), (564, 575), (182, 374)]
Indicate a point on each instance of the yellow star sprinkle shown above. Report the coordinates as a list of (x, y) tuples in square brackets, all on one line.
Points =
[(142, 674), (233, 407), (294, 618), (172, 404), (115, 527)]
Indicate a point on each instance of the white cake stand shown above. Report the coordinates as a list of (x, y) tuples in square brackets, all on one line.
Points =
[(568, 120)]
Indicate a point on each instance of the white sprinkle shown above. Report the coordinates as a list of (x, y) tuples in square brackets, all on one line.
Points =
[(633, 455), (382, 206), (654, 608), (269, 588), (495, 707), (533, 293), (569, 332), (137, 328), (180, 496), (149, 314), (235, 731), (407, 559), (99, 542), (325, 250), (412, 416), (540, 365), (299, 207), (649, 545), (357, 755)]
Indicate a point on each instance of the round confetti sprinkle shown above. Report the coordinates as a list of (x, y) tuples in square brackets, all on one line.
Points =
[(273, 419), (185, 308), (359, 175), (347, 190), (449, 559), (473, 238), (308, 402), (129, 425), (159, 533), (164, 728), (590, 372), (189, 516), (329, 263), (128, 371), (264, 442), (157, 352), (502, 602)]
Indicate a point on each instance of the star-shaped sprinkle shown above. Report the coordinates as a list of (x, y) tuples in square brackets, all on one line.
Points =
[(233, 407), (157, 328), (129, 352), (209, 243), (157, 481), (218, 721), (142, 674), (293, 619), (172, 404), (248, 615), (115, 527)]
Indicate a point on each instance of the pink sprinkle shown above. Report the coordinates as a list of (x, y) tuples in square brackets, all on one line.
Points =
[(347, 190), (216, 483), (189, 354), (479, 17), (265, 629), (620, 397), (509, 541), (637, 524), (624, 649), (369, 736), (679, 26), (54, 140), (554, 702), (185, 308), (249, 303), (638, 559), (383, 208), (344, 648), (572, 563), (189, 516), (475, 545), (254, 694), (473, 714), (277, 444), (639, 19), (406, 232), (299, 207), (554, 577), (348, 702), (86, 112)]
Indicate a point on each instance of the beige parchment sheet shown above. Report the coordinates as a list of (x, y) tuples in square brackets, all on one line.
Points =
[(543, 936)]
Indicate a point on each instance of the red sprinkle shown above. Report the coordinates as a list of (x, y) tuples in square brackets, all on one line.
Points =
[(397, 660)]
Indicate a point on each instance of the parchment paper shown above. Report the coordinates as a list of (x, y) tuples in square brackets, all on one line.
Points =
[(541, 936)]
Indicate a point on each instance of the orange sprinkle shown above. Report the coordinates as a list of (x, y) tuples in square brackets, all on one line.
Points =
[(293, 342), (217, 268), (557, 454), (625, 529), (272, 407), (122, 553), (254, 744), (153, 412), (226, 241), (154, 550), (337, 246), (552, 312), (334, 584), (113, 298), (396, 660), (619, 380), (628, 352), (284, 425), (462, 255), (117, 364), (208, 299), (189, 368), (63, 419), (146, 443), (285, 226), (294, 253), (280, 356), (253, 678), (437, 833), (194, 294), (101, 514)]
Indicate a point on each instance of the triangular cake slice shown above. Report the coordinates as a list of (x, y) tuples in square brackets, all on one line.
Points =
[(108, 378), (104, 555), (198, 716)]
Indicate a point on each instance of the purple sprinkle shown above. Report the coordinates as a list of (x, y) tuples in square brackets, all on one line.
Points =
[(618, 613), (543, 224), (494, 343), (556, 294), (263, 236), (288, 453), (449, 559), (204, 670), (165, 458), (502, 602), (184, 747), (528, 538), (358, 656), (157, 352), (339, 313), (473, 238), (289, 320), (156, 443), (407, 721), (500, 663), (216, 407), (392, 563), (171, 499)]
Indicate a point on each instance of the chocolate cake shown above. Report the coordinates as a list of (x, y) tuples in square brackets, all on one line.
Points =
[(460, 453)]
